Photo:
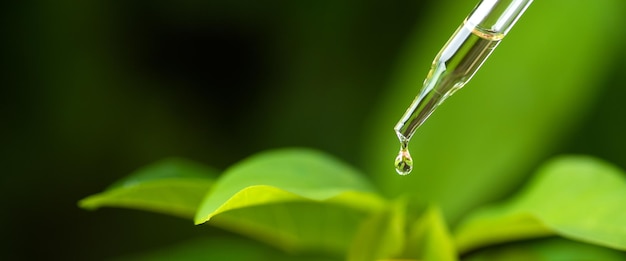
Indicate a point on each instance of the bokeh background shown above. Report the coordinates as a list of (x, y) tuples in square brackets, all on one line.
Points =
[(93, 90)]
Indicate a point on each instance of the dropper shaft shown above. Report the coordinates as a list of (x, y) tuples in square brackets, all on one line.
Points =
[(460, 58)]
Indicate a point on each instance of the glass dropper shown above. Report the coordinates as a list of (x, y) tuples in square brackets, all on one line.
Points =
[(455, 64)]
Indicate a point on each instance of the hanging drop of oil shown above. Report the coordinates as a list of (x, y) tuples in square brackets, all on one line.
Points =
[(404, 162)]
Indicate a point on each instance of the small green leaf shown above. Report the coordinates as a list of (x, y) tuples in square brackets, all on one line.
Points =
[(551, 249), (430, 240), (579, 198), (288, 175), (382, 235), (172, 186)]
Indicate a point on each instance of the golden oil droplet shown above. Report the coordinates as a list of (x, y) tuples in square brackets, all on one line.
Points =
[(404, 162)]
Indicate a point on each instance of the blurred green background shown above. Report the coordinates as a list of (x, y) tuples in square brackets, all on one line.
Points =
[(92, 90)]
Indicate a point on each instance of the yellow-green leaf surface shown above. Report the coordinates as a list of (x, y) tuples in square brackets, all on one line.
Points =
[(481, 142), (430, 240), (297, 226), (579, 198), (288, 175), (381, 236), (172, 186)]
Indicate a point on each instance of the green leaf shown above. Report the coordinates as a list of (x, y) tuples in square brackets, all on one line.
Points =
[(288, 175), (579, 198), (430, 240), (490, 226), (480, 143), (172, 186), (382, 235), (552, 249), (295, 199)]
